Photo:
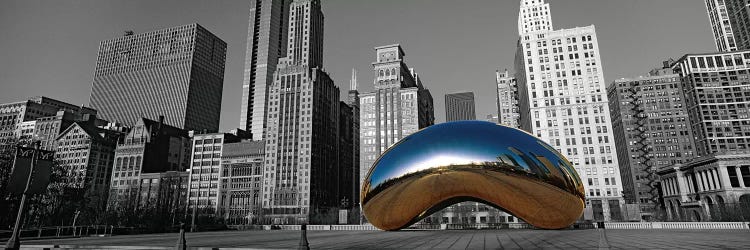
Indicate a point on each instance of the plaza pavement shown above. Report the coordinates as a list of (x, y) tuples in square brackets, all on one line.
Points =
[(439, 239)]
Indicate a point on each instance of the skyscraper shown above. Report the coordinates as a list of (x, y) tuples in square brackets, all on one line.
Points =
[(460, 106), (721, 25), (652, 131), (302, 170), (266, 43), (399, 106), (717, 97), (507, 99), (351, 132), (730, 23), (562, 100), (176, 72)]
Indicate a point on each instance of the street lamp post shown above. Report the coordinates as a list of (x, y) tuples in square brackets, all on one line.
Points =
[(15, 240)]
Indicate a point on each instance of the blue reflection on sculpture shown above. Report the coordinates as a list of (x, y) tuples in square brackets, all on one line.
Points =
[(466, 142)]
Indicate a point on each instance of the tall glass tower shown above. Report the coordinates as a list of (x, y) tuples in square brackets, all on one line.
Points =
[(266, 43)]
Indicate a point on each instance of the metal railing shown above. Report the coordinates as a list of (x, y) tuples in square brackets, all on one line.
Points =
[(63, 231)]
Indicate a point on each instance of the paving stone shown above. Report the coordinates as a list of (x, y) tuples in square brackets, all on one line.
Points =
[(439, 239)]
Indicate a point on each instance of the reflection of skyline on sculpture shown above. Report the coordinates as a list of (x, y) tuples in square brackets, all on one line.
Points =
[(472, 160), (472, 146)]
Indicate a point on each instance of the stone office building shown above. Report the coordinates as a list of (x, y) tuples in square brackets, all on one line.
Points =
[(302, 167), (12, 114), (149, 147), (507, 99), (715, 187), (563, 101), (86, 154), (652, 130), (399, 106), (241, 182), (205, 169)]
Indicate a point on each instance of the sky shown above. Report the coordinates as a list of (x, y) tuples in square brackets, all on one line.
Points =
[(49, 47)]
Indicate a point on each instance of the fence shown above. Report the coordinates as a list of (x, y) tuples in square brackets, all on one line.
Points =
[(68, 231)]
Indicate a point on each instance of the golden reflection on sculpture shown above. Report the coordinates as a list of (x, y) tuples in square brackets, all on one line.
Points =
[(472, 161)]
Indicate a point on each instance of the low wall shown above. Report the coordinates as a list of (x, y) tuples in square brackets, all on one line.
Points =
[(322, 227), (607, 225), (676, 225)]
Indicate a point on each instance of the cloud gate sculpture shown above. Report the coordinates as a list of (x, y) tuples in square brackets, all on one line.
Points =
[(472, 161)]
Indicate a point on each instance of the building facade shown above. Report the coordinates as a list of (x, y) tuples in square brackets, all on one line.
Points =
[(709, 188), (563, 101), (301, 170), (25, 132), (176, 72), (717, 95), (241, 182), (460, 107), (86, 154), (399, 106), (507, 99), (149, 147), (205, 169), (730, 24), (12, 114), (47, 129), (652, 130), (266, 43)]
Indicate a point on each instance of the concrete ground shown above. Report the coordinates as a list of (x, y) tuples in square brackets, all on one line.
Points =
[(442, 239)]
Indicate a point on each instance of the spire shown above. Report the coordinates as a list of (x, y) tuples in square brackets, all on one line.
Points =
[(353, 81), (353, 93)]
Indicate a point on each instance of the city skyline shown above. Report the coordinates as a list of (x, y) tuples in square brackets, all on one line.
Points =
[(350, 33), (230, 119)]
